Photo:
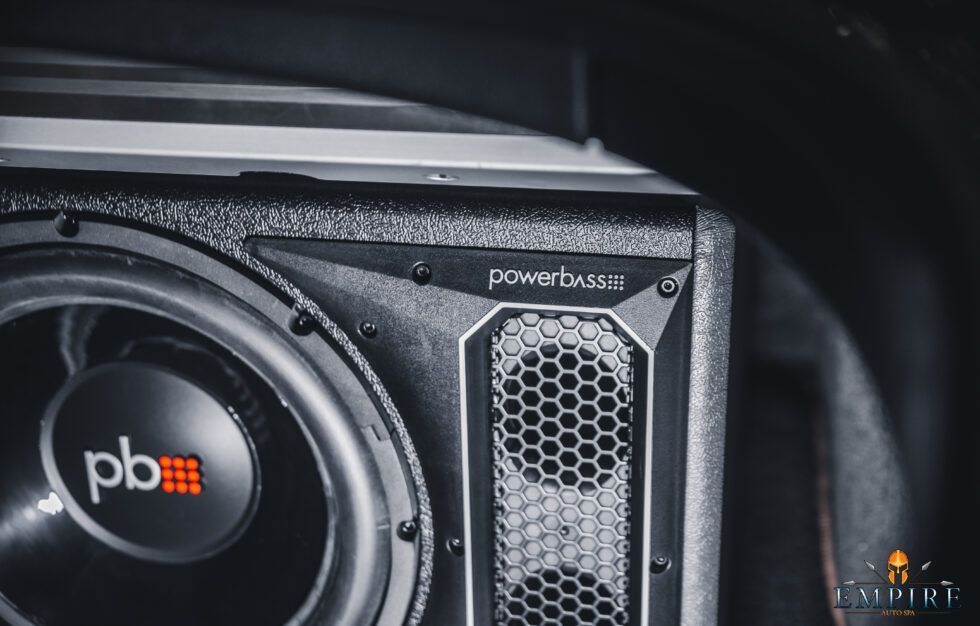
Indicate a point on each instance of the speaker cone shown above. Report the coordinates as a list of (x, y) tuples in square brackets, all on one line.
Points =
[(170, 456), (132, 545)]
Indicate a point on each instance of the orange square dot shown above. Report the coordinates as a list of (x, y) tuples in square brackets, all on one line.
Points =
[(168, 486), (164, 461), (180, 475), (181, 487), (193, 463), (194, 477), (179, 462), (167, 474), (194, 488)]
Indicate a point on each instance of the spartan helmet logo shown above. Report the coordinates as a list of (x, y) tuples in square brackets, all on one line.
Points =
[(898, 567)]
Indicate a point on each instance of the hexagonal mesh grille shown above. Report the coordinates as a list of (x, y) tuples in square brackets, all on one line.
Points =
[(562, 444)]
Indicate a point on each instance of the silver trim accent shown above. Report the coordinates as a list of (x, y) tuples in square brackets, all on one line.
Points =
[(528, 161), (464, 442), (193, 90)]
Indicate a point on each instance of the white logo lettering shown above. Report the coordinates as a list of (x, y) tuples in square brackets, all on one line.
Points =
[(119, 470), (561, 278)]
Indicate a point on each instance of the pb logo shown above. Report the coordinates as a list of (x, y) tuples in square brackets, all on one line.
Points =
[(172, 474)]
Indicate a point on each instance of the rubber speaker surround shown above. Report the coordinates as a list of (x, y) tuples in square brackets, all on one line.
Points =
[(289, 561)]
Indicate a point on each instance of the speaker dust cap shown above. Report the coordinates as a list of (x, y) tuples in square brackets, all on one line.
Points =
[(149, 462)]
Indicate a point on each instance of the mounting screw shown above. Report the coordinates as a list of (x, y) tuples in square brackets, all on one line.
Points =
[(407, 530), (455, 546), (659, 564), (421, 273), (441, 177), (66, 224), (668, 287), (368, 329), (302, 323)]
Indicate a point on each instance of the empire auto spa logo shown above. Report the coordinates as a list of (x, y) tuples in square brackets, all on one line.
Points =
[(169, 473), (560, 278), (898, 593)]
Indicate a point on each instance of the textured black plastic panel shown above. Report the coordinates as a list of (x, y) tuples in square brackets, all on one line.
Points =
[(223, 214)]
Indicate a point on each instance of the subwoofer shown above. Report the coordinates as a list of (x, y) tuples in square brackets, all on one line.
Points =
[(329, 404)]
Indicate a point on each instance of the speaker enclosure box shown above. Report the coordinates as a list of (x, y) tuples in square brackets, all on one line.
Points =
[(344, 255)]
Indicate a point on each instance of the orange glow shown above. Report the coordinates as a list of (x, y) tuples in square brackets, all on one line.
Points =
[(181, 474)]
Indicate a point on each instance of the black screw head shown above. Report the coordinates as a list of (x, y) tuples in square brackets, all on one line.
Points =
[(668, 287), (66, 224), (659, 564), (421, 273), (407, 530), (302, 323), (368, 329), (455, 546)]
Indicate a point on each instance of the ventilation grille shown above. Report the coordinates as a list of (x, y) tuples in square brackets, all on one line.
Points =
[(562, 435)]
